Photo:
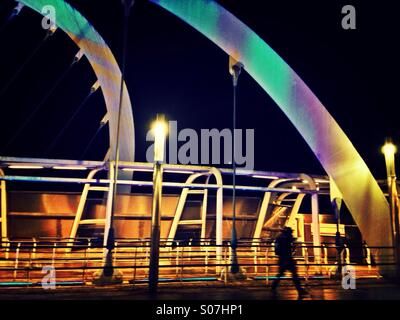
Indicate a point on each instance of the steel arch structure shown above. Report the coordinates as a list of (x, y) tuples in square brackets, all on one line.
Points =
[(322, 133), (104, 65)]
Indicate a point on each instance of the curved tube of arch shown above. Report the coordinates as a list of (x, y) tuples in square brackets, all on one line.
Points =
[(104, 65), (263, 210), (180, 206), (79, 210), (219, 210), (324, 136)]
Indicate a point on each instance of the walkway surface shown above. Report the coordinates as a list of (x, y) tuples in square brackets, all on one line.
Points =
[(366, 289)]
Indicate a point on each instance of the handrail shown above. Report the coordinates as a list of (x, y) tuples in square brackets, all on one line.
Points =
[(143, 183), (83, 262)]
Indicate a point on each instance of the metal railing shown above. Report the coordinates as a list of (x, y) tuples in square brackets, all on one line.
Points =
[(56, 172), (22, 261)]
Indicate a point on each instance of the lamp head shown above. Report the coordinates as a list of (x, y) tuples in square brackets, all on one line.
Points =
[(160, 131), (389, 149)]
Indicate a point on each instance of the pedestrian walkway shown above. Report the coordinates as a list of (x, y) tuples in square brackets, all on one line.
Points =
[(367, 289)]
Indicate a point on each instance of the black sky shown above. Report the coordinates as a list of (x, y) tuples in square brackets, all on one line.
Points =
[(173, 69)]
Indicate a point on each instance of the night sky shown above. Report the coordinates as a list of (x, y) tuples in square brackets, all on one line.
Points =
[(173, 69)]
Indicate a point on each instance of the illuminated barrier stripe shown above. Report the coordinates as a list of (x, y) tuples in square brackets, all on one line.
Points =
[(104, 65), (326, 139)]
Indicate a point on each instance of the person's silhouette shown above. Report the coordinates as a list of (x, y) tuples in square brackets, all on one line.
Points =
[(284, 249)]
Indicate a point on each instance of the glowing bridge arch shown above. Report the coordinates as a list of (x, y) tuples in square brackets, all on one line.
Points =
[(326, 139), (104, 65)]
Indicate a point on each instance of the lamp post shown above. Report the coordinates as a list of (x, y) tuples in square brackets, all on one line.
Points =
[(337, 204), (235, 67), (389, 150), (109, 275), (160, 130)]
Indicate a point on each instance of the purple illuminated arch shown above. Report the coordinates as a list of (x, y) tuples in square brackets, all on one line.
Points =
[(322, 133), (104, 65)]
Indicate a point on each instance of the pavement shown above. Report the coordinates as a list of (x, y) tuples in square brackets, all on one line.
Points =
[(256, 290)]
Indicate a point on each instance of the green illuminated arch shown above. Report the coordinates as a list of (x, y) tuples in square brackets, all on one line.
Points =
[(326, 139), (104, 65)]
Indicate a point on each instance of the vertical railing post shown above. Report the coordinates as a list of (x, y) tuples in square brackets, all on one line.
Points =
[(326, 257), (206, 257), (177, 259), (29, 268), (16, 260), (84, 264), (255, 249), (53, 256), (219, 218), (135, 267), (266, 266), (34, 248), (3, 200), (306, 262), (368, 257)]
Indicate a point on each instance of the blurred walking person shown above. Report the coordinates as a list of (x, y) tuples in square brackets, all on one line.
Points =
[(284, 250)]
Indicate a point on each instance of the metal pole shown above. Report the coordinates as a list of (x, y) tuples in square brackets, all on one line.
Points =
[(389, 151), (155, 227), (160, 132), (338, 239), (316, 232), (235, 69), (316, 229), (108, 269), (394, 210), (3, 209)]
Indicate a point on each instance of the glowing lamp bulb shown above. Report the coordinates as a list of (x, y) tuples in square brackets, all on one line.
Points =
[(389, 149), (160, 131)]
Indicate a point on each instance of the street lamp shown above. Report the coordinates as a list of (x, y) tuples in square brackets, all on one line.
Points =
[(389, 150), (337, 204), (109, 275), (235, 68), (160, 131)]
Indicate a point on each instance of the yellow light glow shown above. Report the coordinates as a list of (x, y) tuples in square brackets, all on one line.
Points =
[(137, 169), (32, 167), (179, 171), (69, 168), (389, 149), (160, 131), (265, 177)]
